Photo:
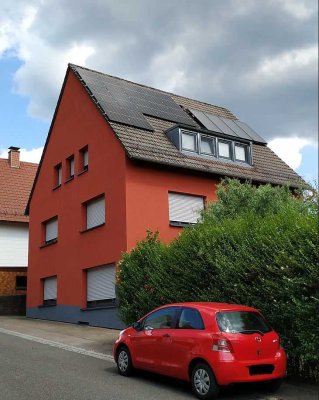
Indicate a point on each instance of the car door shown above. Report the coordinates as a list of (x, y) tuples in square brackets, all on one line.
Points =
[(152, 345)]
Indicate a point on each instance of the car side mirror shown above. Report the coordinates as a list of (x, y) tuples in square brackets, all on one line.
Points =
[(137, 326)]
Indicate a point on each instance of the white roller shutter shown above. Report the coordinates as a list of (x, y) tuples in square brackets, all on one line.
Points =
[(101, 283), (50, 288), (185, 208), (51, 230), (95, 213)]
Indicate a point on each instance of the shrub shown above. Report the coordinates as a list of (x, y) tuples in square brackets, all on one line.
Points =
[(260, 251)]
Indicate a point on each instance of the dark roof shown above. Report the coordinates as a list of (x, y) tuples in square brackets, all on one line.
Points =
[(15, 187), (146, 118)]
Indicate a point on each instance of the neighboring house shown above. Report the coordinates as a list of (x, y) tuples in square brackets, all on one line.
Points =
[(121, 158), (16, 179)]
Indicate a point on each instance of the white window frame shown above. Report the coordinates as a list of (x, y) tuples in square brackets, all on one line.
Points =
[(195, 135), (101, 286)]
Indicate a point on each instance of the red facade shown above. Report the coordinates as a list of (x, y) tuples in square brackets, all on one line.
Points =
[(136, 199)]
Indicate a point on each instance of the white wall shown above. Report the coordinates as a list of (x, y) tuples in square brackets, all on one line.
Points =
[(14, 239)]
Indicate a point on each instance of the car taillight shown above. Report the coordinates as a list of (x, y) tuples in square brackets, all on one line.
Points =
[(220, 343)]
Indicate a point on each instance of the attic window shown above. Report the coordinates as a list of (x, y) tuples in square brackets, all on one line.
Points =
[(58, 175), (214, 146), (84, 155)]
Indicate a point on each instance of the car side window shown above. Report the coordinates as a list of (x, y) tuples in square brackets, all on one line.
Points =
[(161, 319), (190, 319)]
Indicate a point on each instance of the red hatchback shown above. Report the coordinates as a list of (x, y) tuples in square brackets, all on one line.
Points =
[(208, 344)]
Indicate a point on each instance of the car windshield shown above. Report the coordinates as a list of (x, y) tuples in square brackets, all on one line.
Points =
[(245, 322)]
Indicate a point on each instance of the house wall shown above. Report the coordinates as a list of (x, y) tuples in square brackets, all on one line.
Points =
[(78, 123), (147, 207), (13, 244)]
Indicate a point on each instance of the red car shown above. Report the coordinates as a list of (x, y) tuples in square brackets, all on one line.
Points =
[(208, 344)]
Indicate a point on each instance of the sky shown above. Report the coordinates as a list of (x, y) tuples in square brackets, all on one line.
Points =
[(258, 58)]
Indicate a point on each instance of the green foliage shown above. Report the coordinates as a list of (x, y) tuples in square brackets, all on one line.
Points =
[(256, 246)]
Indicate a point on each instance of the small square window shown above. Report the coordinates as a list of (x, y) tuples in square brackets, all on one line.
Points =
[(84, 154), (21, 282), (189, 141), (58, 175), (224, 149), (207, 145), (241, 152)]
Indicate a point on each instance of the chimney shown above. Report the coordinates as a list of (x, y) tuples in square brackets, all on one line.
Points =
[(14, 157)]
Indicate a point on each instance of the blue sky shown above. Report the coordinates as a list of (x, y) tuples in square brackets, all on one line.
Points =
[(220, 52)]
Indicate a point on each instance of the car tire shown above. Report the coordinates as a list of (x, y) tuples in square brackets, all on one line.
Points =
[(273, 385), (124, 361), (203, 382)]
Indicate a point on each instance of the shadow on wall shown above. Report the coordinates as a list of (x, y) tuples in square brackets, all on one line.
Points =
[(13, 305)]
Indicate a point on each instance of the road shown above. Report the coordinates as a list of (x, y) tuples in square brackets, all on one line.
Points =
[(32, 370)]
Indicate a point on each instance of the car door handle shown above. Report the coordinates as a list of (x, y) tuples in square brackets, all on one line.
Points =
[(166, 335)]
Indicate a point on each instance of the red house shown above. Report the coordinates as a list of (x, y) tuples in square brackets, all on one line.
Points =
[(121, 158)]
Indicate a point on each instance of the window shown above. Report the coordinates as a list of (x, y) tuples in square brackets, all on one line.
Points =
[(95, 213), (70, 162), (50, 291), (21, 282), (184, 209), (242, 322), (224, 150), (207, 145), (241, 152), (190, 319), (164, 318), (58, 175), (51, 230), (101, 286), (84, 153), (189, 141)]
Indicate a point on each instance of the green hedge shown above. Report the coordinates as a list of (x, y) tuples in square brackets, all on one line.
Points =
[(242, 252)]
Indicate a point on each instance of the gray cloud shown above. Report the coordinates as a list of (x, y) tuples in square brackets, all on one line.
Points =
[(254, 57)]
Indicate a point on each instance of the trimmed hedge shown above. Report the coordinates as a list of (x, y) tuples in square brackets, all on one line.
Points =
[(262, 252)]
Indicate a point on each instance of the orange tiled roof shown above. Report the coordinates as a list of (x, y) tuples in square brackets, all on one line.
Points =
[(15, 188)]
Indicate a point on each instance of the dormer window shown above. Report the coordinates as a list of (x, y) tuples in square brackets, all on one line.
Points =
[(211, 145), (224, 148), (189, 141), (207, 145)]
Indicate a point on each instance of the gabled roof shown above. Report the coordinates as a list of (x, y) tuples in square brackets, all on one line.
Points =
[(15, 188), (140, 116)]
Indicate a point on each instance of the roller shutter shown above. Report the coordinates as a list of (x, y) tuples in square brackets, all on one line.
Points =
[(184, 208), (95, 213), (51, 230), (101, 283), (50, 288)]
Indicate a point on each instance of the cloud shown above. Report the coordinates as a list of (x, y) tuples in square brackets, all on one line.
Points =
[(259, 62), (33, 155), (289, 150)]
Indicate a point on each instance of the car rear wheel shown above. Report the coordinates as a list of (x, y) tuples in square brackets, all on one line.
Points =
[(203, 382), (124, 361)]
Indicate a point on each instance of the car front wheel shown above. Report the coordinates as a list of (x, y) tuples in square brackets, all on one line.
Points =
[(203, 382), (124, 361)]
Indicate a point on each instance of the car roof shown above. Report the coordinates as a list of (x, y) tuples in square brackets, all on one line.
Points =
[(210, 306)]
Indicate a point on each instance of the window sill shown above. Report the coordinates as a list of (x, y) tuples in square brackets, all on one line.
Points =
[(57, 187), (49, 244), (98, 308), (46, 305), (83, 172), (180, 224), (69, 179), (93, 227)]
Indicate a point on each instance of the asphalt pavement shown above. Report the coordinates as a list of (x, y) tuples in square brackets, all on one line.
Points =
[(51, 360)]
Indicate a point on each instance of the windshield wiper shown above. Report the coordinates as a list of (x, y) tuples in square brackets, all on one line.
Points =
[(249, 331)]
